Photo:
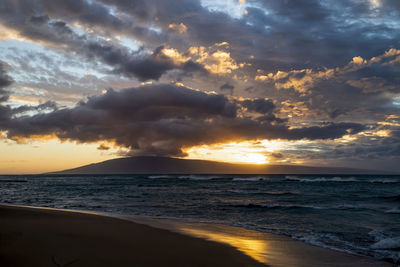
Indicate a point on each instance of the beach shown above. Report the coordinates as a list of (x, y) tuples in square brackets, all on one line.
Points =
[(40, 237), (50, 237)]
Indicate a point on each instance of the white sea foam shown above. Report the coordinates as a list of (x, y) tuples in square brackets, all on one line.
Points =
[(249, 179), (341, 179), (315, 240), (300, 206), (378, 234), (277, 206), (189, 177), (321, 179), (394, 210), (159, 176), (197, 178), (387, 243), (385, 181)]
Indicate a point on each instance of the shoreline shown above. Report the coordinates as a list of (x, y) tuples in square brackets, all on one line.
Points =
[(51, 237), (269, 248), (252, 247)]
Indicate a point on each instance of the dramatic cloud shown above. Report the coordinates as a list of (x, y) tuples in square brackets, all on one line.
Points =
[(58, 34), (308, 70), (331, 93), (5, 81), (262, 106), (163, 119), (227, 87)]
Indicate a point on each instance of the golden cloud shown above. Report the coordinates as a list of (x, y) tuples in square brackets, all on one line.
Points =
[(214, 58), (178, 28)]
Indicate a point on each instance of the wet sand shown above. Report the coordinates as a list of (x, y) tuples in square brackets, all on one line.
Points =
[(271, 249), (44, 237), (49, 237)]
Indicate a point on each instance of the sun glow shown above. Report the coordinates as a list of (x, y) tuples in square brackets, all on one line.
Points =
[(47, 155), (253, 152), (254, 158)]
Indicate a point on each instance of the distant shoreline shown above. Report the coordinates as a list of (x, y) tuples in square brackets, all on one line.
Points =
[(166, 165)]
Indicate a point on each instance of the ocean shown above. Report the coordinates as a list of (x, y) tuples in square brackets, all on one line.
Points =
[(357, 214)]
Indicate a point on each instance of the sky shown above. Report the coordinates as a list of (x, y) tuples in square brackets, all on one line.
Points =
[(311, 82)]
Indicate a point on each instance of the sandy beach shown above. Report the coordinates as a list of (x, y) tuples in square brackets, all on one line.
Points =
[(49, 237)]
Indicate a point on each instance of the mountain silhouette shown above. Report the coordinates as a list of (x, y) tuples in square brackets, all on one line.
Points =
[(165, 165)]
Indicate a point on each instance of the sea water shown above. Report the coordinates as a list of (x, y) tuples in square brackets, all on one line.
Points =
[(353, 214)]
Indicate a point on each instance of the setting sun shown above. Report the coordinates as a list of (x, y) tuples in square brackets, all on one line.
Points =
[(235, 152), (253, 158)]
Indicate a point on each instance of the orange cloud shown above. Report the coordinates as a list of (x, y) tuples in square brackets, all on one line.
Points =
[(216, 61), (178, 28)]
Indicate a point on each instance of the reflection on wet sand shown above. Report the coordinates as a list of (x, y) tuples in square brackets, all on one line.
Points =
[(254, 248), (270, 249), (273, 250)]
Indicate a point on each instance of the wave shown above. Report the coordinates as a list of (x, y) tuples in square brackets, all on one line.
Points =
[(394, 211), (341, 179), (249, 179), (276, 206), (198, 178), (280, 206), (387, 244), (385, 248), (270, 193), (189, 177), (159, 176), (316, 239), (385, 181), (321, 179)]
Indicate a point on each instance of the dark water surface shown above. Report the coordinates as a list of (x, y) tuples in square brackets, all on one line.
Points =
[(355, 214)]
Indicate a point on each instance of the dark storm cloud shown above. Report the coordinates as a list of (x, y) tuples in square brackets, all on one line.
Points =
[(5, 81), (367, 153), (272, 35), (59, 34), (361, 90), (164, 11), (227, 87), (142, 66), (272, 31), (329, 131), (3, 96), (260, 105), (6, 112), (303, 38), (49, 105), (335, 32), (163, 119), (89, 12)]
